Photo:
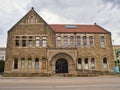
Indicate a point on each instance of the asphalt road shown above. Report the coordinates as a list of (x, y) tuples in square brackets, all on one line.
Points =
[(61, 83)]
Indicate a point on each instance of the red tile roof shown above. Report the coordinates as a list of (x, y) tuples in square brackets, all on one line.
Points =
[(69, 28)]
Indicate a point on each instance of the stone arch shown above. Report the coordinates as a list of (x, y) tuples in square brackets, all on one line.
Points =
[(68, 58)]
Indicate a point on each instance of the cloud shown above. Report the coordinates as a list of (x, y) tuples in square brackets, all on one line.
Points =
[(115, 3), (104, 12)]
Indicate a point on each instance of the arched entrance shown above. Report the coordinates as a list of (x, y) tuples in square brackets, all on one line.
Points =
[(62, 63), (61, 66)]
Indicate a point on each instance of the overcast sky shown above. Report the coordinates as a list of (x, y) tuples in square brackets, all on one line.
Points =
[(105, 13)]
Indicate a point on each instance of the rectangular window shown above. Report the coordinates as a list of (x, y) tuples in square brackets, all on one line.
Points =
[(84, 41), (65, 41), (78, 41), (15, 63), (44, 42), (91, 41), (23, 41), (58, 41), (102, 41), (17, 41), (72, 41), (30, 43), (37, 42)]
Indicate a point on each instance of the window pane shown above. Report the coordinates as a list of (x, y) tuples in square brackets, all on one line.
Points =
[(86, 60), (79, 65), (37, 37), (105, 60), (86, 63), (24, 43), (79, 60), (65, 40), (91, 41), (72, 41), (44, 42), (78, 41), (84, 41), (102, 41), (30, 43), (58, 41), (17, 41), (37, 43), (37, 63), (105, 65)]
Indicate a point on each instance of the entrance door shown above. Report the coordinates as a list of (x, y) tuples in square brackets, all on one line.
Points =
[(61, 66)]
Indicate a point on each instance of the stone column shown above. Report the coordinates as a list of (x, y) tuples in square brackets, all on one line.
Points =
[(82, 63), (33, 64), (19, 64), (89, 63)]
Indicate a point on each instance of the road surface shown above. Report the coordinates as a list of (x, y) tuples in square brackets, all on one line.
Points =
[(61, 83)]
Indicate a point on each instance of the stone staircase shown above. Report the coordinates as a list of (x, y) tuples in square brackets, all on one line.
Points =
[(85, 73)]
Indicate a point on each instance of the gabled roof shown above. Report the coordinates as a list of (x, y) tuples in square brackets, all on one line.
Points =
[(69, 28), (30, 13)]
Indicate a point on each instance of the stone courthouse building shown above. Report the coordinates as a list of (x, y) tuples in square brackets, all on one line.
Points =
[(35, 48)]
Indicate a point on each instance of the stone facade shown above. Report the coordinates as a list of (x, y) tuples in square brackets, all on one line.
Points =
[(32, 50)]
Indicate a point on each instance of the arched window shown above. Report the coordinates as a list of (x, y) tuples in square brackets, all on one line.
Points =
[(105, 62), (29, 63), (79, 63), (23, 63), (92, 63), (86, 63), (32, 19), (37, 63)]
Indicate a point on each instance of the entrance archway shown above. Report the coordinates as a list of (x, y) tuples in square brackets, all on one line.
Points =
[(62, 63), (61, 66)]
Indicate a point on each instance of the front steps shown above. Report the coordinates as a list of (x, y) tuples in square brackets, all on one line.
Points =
[(79, 73)]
